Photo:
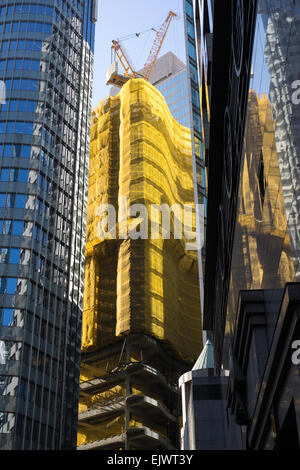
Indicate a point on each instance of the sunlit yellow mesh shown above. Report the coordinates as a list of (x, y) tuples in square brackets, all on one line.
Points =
[(149, 286)]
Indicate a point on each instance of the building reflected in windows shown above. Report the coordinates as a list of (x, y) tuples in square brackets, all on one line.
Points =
[(46, 66)]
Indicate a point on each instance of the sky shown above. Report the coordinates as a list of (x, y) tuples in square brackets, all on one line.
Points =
[(118, 18)]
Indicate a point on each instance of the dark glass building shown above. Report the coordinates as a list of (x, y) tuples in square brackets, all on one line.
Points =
[(253, 209), (251, 293), (46, 64)]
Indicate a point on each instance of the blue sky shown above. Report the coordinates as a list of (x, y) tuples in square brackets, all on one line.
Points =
[(118, 18)]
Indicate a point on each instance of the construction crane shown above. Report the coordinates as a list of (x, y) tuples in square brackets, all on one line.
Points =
[(113, 77)]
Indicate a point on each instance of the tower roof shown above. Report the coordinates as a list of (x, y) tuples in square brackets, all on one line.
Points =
[(206, 358)]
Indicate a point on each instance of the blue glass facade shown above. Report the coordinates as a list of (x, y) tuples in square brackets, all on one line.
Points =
[(46, 63), (195, 87), (175, 92), (194, 91)]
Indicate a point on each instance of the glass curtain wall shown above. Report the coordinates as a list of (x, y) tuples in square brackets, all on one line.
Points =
[(46, 63), (266, 251)]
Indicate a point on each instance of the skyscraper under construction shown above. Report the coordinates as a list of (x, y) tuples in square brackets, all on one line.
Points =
[(142, 321)]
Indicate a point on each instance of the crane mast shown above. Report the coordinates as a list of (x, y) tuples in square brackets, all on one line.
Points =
[(113, 77), (120, 53), (158, 41)]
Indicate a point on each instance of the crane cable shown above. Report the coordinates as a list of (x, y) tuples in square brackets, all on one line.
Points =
[(142, 52), (130, 36)]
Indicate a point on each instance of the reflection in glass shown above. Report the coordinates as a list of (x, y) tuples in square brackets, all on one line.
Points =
[(266, 251)]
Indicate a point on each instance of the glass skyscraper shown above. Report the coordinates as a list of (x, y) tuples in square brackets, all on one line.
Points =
[(194, 98), (175, 92), (195, 87), (169, 76), (46, 64)]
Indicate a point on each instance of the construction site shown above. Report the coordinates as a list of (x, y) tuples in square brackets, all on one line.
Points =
[(141, 321)]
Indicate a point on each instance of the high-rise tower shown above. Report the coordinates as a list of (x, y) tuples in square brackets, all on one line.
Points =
[(198, 95), (46, 63), (142, 321)]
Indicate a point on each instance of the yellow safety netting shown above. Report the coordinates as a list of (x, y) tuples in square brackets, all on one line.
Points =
[(150, 286)]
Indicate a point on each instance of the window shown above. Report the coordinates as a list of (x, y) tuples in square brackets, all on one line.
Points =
[(2, 285), (30, 106), (28, 229), (13, 106), (7, 150), (32, 8), (4, 174), (14, 174), (24, 256), (8, 285), (23, 105), (26, 151), (192, 51), (23, 175), (20, 200), (21, 64), (36, 233), (18, 127), (3, 255), (7, 28), (189, 9), (4, 46), (14, 257), (8, 420), (8, 384), (22, 84), (13, 200), (18, 227), (15, 150), (21, 45), (10, 255), (190, 29), (7, 227)]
